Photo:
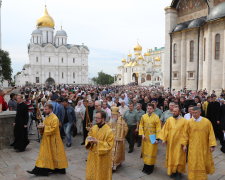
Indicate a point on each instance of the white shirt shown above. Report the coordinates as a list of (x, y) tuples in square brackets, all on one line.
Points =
[(108, 111), (187, 116), (198, 120), (122, 110)]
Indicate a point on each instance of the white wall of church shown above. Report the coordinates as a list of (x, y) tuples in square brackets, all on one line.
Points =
[(211, 70)]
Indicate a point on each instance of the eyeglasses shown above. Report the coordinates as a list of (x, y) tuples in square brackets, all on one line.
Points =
[(98, 118)]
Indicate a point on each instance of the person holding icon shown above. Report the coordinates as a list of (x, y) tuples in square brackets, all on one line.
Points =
[(99, 142), (149, 128)]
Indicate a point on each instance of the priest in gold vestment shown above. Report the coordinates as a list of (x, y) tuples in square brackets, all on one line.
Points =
[(199, 135), (52, 156), (119, 128), (99, 142), (171, 134), (150, 124)]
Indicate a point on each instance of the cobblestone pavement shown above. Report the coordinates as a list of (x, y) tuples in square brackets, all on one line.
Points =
[(13, 165)]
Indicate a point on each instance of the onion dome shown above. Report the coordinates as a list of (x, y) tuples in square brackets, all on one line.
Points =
[(157, 59), (147, 54), (140, 57), (137, 54), (134, 64), (46, 20), (123, 60), (138, 47), (61, 33)]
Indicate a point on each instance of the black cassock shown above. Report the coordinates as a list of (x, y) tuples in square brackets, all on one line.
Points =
[(222, 122), (213, 114), (90, 113), (20, 132)]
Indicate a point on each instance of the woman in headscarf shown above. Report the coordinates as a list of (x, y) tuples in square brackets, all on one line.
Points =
[(79, 112)]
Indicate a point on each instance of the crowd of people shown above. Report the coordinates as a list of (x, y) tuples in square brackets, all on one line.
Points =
[(188, 122)]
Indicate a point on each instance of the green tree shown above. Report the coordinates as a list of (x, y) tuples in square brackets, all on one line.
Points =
[(5, 62), (103, 79)]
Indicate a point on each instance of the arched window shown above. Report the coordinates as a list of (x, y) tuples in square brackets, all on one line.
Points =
[(36, 59), (217, 46), (49, 74), (62, 60), (148, 77), (62, 75), (192, 51), (175, 53), (73, 75), (73, 60)]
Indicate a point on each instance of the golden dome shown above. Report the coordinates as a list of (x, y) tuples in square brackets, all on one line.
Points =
[(126, 65), (138, 47), (130, 63), (129, 55), (137, 54), (134, 64), (140, 57), (46, 20), (147, 54), (124, 60), (157, 58)]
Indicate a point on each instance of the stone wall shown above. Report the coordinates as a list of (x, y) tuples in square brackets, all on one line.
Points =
[(7, 119)]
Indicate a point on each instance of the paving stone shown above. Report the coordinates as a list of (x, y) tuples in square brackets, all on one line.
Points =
[(13, 165)]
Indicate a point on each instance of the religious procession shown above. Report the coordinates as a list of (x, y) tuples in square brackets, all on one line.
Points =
[(189, 124)]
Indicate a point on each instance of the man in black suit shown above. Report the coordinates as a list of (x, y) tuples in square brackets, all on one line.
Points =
[(20, 126)]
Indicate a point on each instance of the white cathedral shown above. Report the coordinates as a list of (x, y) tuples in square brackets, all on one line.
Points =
[(51, 59)]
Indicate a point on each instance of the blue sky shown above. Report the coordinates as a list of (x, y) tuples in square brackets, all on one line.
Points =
[(110, 28)]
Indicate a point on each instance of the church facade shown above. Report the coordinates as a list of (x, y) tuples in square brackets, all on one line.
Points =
[(51, 59), (140, 68), (195, 45)]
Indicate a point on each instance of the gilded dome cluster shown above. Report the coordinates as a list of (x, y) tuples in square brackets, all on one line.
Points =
[(133, 59), (138, 57)]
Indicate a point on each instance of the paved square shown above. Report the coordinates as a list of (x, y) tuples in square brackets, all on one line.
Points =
[(13, 165)]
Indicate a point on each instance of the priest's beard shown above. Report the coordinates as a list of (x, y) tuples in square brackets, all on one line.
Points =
[(100, 124), (113, 119), (176, 116)]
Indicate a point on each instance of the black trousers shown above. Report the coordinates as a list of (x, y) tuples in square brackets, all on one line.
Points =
[(139, 140), (85, 132), (131, 136), (218, 132)]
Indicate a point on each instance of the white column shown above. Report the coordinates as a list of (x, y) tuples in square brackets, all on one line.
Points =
[(183, 61), (209, 58), (170, 22), (201, 56)]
